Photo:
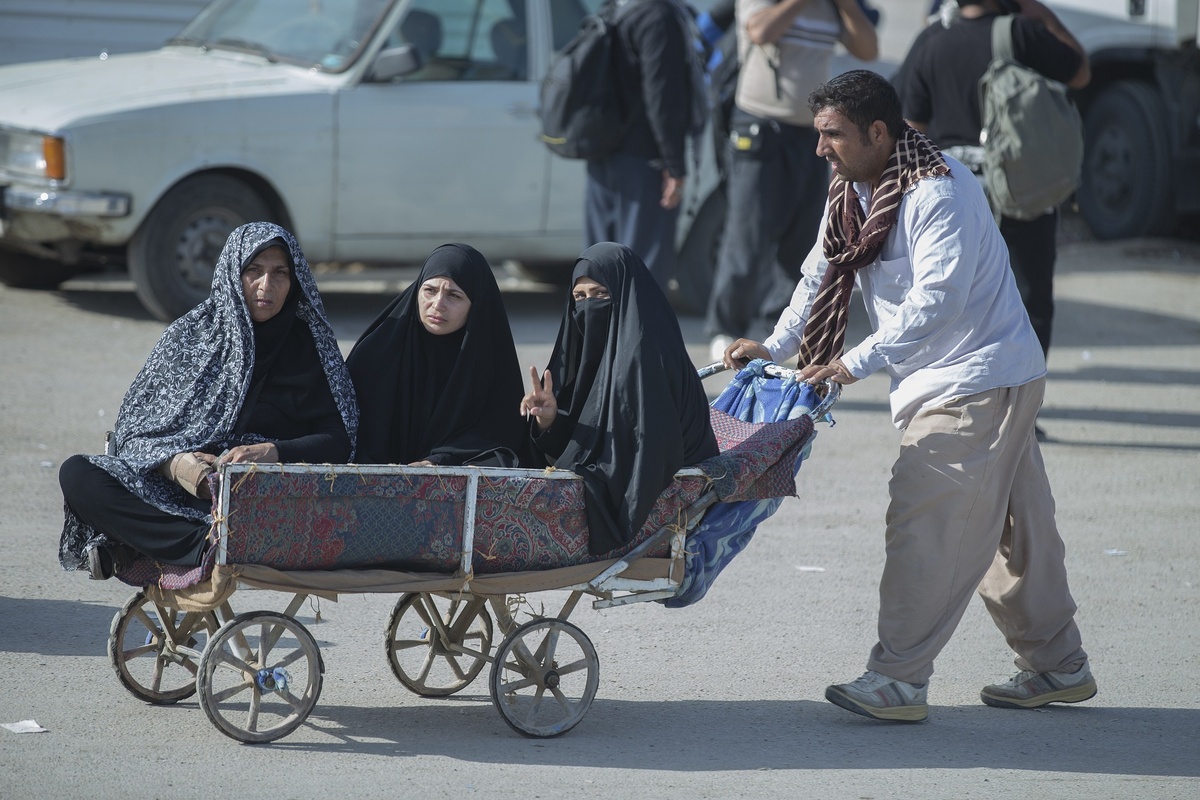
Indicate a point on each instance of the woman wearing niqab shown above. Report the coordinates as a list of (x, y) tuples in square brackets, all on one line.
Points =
[(253, 373), (625, 406), (434, 396)]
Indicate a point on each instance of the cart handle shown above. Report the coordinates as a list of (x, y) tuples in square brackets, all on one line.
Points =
[(828, 389)]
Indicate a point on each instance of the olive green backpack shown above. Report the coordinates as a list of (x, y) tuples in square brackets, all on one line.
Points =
[(1032, 134)]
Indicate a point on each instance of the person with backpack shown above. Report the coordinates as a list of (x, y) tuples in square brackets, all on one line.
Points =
[(776, 183), (633, 192), (939, 83), (970, 507)]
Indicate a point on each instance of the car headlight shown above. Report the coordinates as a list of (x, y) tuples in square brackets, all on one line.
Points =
[(32, 155)]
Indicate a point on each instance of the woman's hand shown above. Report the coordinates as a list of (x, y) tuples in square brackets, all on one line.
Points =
[(243, 453), (190, 471), (540, 402)]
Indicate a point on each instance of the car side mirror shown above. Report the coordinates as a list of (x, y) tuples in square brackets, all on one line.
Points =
[(395, 62)]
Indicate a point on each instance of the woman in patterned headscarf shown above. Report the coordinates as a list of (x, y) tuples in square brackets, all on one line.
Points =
[(251, 374), (620, 404)]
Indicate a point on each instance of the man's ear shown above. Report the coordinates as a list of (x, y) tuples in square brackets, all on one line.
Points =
[(877, 132)]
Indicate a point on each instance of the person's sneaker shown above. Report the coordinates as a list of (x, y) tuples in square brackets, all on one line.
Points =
[(880, 697), (1036, 689), (718, 345)]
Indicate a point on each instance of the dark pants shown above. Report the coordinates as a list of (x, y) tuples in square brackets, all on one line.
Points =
[(777, 188), (1032, 251), (101, 501), (622, 205)]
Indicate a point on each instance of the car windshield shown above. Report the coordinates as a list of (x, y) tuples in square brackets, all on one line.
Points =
[(323, 33)]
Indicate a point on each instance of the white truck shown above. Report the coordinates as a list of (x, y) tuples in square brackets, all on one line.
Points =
[(1141, 113)]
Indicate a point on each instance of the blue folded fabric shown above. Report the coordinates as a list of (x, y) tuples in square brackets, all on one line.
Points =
[(726, 529)]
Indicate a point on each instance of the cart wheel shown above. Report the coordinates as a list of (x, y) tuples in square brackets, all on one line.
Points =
[(544, 677), (260, 676), (155, 650), (418, 656)]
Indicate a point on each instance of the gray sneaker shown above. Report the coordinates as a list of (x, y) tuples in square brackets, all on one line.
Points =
[(1035, 689), (877, 696)]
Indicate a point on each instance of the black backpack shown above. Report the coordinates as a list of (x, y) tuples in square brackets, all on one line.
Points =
[(582, 110)]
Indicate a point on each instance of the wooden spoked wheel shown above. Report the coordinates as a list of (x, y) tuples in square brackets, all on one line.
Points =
[(437, 645), (155, 650), (544, 677), (260, 676)]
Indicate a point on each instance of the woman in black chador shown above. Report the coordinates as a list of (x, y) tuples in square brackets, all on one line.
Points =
[(620, 404), (436, 373), (251, 374)]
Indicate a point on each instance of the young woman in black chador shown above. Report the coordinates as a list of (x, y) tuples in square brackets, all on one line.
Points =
[(436, 373), (620, 403), (251, 374)]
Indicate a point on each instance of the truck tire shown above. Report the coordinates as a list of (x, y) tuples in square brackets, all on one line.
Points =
[(1127, 188), (696, 262), (23, 271), (174, 252)]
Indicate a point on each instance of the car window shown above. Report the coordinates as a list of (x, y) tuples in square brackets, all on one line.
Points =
[(466, 40), (323, 33), (565, 17)]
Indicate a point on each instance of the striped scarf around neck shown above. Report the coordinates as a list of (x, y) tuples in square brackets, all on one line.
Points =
[(853, 239)]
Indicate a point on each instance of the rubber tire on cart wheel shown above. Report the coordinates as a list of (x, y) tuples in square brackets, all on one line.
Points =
[(23, 271), (174, 252), (1127, 188), (696, 263)]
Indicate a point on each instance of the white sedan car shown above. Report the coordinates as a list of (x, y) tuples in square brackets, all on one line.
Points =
[(374, 129)]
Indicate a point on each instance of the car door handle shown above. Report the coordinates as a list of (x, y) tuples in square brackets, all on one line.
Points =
[(521, 110)]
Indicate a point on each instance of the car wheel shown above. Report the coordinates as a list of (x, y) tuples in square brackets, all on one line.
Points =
[(23, 271), (696, 263), (1127, 187), (174, 252)]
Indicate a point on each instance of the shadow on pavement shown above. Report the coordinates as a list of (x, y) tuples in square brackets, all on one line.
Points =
[(114, 303), (54, 627), (713, 736), (1177, 255), (1149, 376), (1079, 324), (1130, 417)]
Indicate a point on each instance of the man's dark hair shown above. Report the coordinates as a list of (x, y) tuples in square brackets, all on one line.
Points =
[(862, 96)]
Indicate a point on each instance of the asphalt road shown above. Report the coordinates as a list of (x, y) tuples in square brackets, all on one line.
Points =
[(719, 700)]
